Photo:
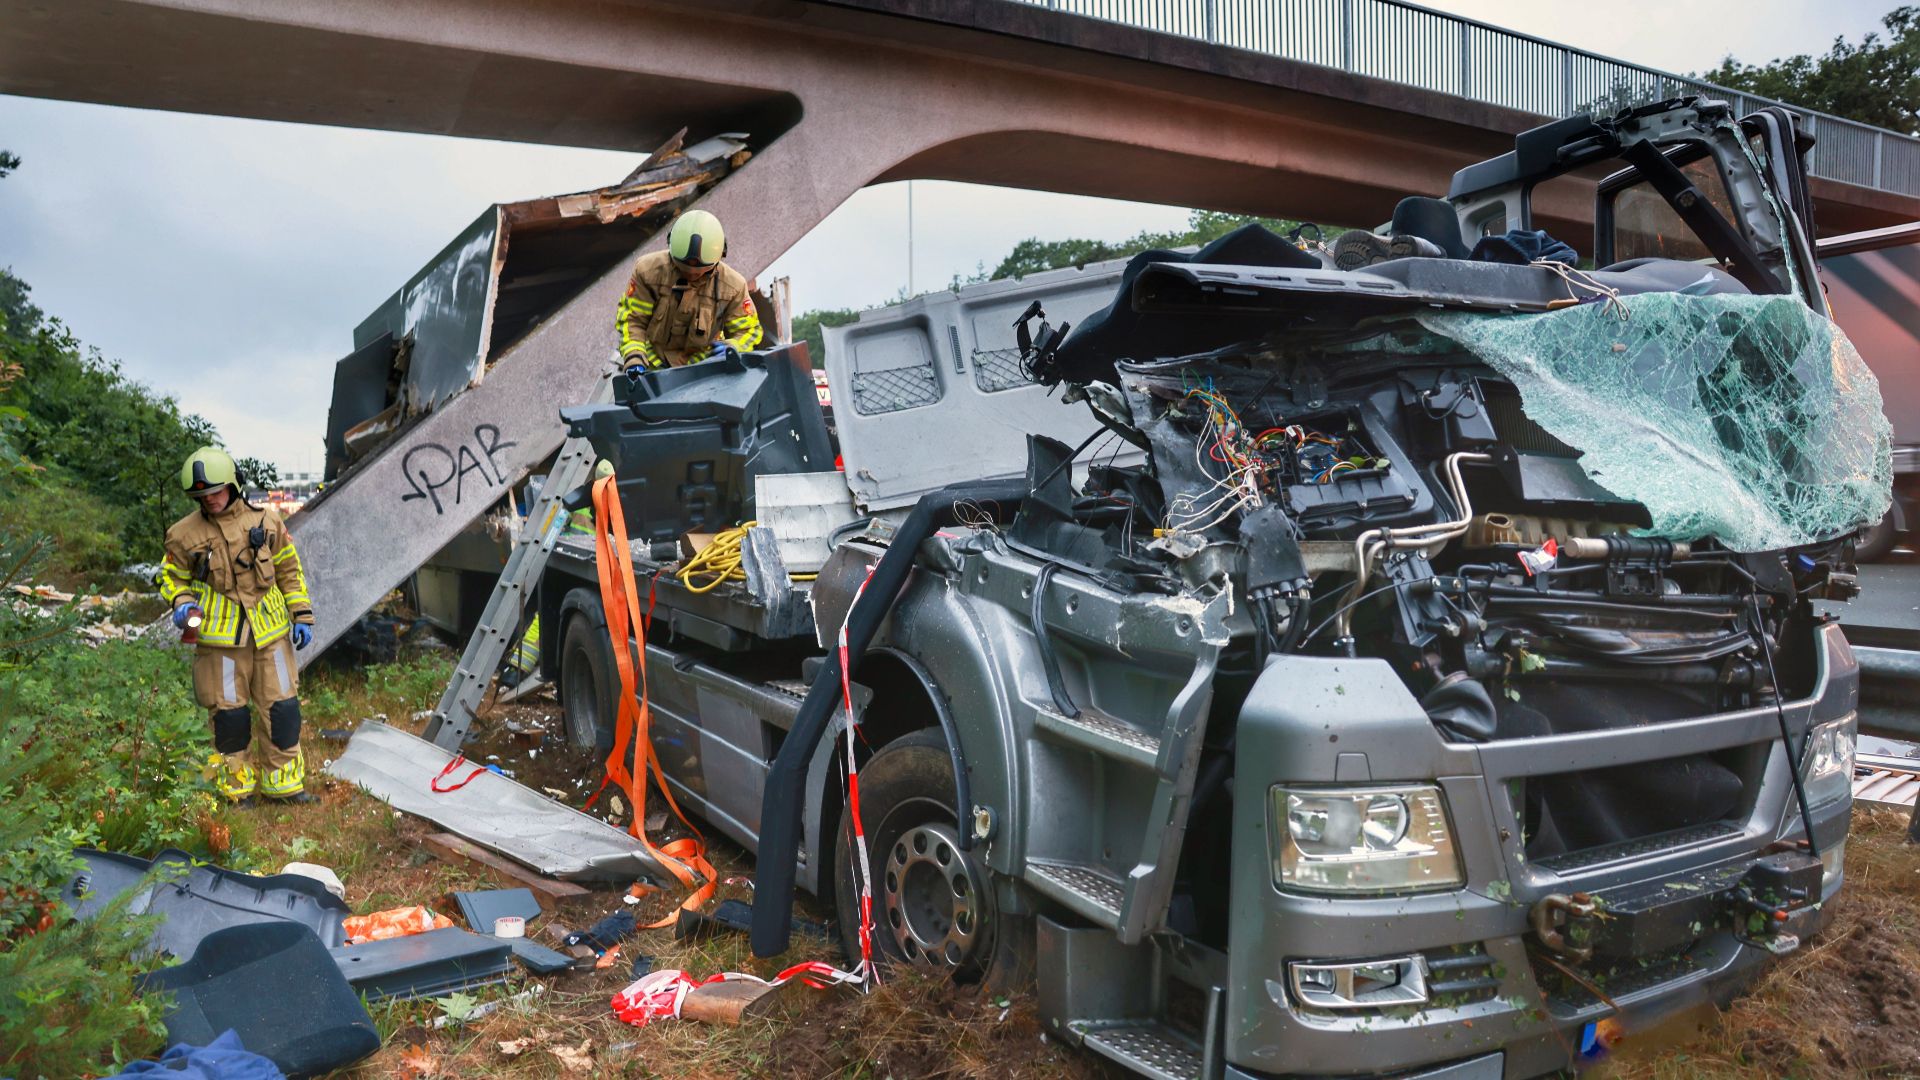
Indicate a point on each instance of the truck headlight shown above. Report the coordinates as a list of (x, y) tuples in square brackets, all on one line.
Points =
[(1828, 766), (1360, 840)]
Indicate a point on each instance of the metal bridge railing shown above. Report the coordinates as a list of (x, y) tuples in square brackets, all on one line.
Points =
[(1417, 46)]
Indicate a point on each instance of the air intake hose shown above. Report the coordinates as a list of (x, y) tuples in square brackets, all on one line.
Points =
[(781, 801)]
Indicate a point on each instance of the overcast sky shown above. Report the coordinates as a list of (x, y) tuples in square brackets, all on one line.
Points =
[(227, 261)]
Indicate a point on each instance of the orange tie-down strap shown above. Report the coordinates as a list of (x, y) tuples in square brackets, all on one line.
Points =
[(686, 858)]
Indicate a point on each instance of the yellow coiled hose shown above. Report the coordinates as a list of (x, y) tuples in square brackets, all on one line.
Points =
[(717, 562)]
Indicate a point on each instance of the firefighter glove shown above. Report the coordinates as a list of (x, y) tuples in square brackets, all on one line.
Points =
[(721, 350), (302, 635), (184, 612)]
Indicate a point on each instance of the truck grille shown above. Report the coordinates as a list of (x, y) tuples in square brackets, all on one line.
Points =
[(1572, 861)]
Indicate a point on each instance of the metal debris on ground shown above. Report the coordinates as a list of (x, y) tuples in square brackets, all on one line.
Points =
[(492, 810)]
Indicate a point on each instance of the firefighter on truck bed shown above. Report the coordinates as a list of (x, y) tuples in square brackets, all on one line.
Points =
[(683, 305), (232, 575)]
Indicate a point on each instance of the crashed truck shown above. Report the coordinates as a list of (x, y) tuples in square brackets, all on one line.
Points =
[(1291, 671)]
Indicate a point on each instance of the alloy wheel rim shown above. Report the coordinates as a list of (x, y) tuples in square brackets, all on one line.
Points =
[(931, 897)]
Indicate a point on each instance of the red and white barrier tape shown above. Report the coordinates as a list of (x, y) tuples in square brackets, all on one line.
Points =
[(660, 994), (863, 865)]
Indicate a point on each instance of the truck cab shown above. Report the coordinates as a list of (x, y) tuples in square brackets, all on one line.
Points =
[(1287, 670)]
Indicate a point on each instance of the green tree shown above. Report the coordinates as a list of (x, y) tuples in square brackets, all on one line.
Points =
[(807, 327), (1875, 82), (1034, 255), (106, 449)]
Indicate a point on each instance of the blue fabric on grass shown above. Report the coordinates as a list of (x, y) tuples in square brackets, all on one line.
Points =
[(222, 1059)]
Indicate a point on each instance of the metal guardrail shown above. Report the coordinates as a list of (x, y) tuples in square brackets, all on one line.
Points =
[(1417, 46), (1889, 692)]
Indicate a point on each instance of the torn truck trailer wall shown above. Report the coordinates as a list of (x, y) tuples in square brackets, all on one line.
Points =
[(444, 310), (1748, 418), (513, 266)]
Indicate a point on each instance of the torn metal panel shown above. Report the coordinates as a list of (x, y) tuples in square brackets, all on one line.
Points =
[(444, 310), (515, 264), (802, 510), (362, 390), (490, 810)]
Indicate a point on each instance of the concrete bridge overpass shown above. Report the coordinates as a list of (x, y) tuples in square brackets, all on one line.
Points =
[(1320, 109), (835, 95)]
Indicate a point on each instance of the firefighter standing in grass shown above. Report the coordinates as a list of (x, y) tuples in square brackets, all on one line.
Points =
[(683, 305), (231, 571)]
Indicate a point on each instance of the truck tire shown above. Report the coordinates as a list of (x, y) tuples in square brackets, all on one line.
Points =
[(587, 678), (933, 904), (1875, 542)]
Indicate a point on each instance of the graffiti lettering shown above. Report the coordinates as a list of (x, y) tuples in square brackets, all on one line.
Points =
[(487, 438), (431, 467)]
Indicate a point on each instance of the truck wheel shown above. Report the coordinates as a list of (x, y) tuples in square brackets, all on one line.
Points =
[(587, 680), (933, 904), (1875, 542)]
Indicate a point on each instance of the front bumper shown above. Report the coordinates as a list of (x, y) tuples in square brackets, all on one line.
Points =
[(1481, 1067), (1352, 722)]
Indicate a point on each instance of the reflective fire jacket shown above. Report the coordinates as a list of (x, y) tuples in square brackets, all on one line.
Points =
[(241, 567), (665, 321)]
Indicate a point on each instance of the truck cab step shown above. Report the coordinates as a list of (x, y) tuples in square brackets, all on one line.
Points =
[(1091, 891), (1146, 1047), (1103, 735)]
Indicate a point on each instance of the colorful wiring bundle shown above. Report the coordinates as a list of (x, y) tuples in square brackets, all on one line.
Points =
[(1255, 463)]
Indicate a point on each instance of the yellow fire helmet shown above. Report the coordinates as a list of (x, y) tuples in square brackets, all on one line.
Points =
[(696, 239), (207, 470)]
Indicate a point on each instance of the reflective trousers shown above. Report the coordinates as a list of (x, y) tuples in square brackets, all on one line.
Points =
[(251, 694)]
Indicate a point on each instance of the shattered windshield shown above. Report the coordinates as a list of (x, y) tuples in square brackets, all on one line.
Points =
[(1748, 418)]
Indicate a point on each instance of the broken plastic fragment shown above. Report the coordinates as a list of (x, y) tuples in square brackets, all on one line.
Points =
[(1545, 557)]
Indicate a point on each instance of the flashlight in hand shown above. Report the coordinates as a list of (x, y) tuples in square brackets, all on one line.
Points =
[(188, 618)]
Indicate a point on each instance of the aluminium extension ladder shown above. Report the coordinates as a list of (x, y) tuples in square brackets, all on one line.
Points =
[(500, 620)]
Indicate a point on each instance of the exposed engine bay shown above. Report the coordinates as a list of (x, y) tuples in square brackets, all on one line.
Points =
[(1423, 491), (1408, 509), (1372, 489)]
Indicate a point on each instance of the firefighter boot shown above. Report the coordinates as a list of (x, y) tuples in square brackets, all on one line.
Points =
[(234, 774), (287, 783), (284, 775)]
